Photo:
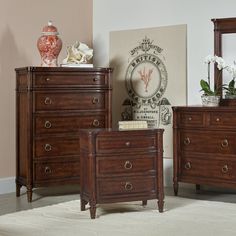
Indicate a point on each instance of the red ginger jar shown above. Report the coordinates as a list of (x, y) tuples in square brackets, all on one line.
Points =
[(49, 45)]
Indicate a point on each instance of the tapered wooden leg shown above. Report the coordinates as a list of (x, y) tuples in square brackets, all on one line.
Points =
[(93, 211), (176, 187), (29, 194), (83, 204), (160, 205), (144, 202), (18, 187)]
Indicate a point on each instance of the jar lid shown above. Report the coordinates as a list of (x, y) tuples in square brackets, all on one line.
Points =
[(49, 29)]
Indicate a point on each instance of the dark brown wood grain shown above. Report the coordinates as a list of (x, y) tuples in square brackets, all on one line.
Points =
[(118, 166), (52, 104), (204, 146)]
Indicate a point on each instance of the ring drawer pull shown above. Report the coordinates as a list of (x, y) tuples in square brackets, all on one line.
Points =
[(217, 119), (47, 101), (187, 165), (47, 79), (95, 100), (128, 186), (47, 170), (47, 147), (96, 123), (127, 144), (225, 169), (47, 124), (187, 141), (224, 143), (190, 118), (128, 165)]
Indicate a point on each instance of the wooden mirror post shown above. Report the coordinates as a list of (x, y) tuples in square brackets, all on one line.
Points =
[(222, 26)]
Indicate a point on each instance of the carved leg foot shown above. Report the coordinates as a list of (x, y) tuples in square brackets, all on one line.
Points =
[(176, 188), (29, 194), (83, 204), (93, 211), (18, 187), (144, 202), (160, 205), (198, 188)]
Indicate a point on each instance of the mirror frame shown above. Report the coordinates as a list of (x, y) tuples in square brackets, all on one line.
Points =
[(222, 26)]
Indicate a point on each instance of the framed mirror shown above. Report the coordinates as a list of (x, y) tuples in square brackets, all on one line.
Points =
[(225, 47)]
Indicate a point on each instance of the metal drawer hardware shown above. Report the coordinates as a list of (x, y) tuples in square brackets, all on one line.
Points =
[(128, 165), (224, 143), (217, 119), (190, 118), (95, 100), (47, 147), (127, 144), (187, 141), (47, 101), (47, 124), (225, 169), (128, 186), (95, 79), (96, 123), (187, 165), (47, 170), (47, 79)]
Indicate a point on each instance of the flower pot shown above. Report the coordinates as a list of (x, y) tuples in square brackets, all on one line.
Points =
[(210, 101), (230, 96)]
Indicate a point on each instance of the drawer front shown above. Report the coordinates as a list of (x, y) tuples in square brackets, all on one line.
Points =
[(56, 146), (74, 100), (124, 187), (118, 141), (190, 119), (211, 169), (208, 142), (67, 124), (69, 79), (56, 170), (223, 119), (128, 165)]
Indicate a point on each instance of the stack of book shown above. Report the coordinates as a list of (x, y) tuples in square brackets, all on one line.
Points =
[(133, 124)]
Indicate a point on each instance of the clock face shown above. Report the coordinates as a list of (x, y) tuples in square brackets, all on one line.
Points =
[(146, 79)]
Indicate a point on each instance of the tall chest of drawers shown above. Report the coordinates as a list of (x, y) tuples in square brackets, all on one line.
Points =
[(118, 166), (204, 146), (52, 104)]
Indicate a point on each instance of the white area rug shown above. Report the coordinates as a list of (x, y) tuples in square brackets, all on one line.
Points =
[(182, 216)]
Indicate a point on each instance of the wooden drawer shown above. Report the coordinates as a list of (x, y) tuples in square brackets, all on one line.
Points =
[(56, 170), (69, 79), (124, 142), (126, 187), (207, 142), (190, 119), (210, 169), (222, 119), (60, 123), (56, 146), (125, 165), (69, 100)]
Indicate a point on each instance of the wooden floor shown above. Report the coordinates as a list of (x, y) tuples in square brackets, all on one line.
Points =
[(47, 196)]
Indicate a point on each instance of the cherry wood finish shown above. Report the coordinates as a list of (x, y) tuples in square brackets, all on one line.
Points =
[(118, 166), (52, 104), (204, 146), (222, 26)]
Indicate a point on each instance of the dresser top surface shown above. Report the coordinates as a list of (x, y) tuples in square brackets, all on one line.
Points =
[(63, 69)]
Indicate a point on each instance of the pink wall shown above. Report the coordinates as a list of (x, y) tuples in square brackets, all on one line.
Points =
[(21, 23)]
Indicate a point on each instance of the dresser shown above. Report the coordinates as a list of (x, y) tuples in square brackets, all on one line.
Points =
[(204, 146), (118, 166), (52, 104)]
